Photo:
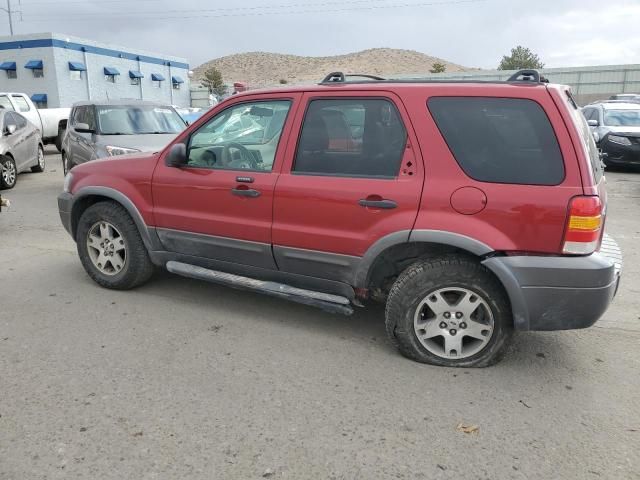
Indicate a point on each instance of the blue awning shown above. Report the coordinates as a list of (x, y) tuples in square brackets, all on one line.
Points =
[(34, 64), (111, 71), (77, 67), (135, 74), (8, 66), (177, 79), (39, 97), (156, 77)]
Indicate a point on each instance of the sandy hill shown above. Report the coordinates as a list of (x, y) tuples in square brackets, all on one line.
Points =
[(262, 69)]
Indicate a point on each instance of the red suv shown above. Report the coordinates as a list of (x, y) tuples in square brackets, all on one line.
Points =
[(471, 209)]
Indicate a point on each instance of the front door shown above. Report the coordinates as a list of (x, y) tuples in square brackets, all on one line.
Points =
[(354, 176), (220, 205)]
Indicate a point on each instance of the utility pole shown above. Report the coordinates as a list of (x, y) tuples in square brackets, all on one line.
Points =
[(10, 15)]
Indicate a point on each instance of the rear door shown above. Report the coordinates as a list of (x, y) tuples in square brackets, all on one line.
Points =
[(81, 143), (19, 139), (28, 135), (354, 175)]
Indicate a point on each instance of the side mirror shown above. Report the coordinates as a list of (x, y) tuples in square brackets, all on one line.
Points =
[(177, 156), (593, 123), (10, 129), (83, 128)]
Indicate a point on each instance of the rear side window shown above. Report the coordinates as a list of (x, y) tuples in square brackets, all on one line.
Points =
[(500, 140), (23, 106), (5, 102), (362, 137)]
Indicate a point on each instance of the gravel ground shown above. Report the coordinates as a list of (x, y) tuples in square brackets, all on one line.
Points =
[(185, 380)]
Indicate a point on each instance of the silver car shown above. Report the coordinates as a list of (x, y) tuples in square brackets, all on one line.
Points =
[(20, 148), (104, 129)]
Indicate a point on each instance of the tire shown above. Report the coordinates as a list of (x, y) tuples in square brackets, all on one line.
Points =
[(429, 290), (65, 164), (8, 173), (58, 139), (110, 221), (39, 168)]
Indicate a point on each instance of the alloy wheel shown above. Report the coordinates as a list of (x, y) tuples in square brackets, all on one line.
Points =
[(9, 173), (453, 323), (107, 248)]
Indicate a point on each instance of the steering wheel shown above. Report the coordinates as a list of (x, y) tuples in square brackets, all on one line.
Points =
[(246, 159)]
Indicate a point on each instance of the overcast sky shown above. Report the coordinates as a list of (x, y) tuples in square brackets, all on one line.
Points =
[(473, 33)]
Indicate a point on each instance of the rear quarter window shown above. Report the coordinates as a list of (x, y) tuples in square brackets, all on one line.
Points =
[(500, 140)]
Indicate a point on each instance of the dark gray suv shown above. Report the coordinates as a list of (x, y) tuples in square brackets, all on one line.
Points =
[(104, 129)]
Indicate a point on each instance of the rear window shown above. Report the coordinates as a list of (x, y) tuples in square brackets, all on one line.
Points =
[(500, 140)]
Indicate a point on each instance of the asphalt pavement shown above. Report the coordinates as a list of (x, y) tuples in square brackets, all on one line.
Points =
[(182, 379)]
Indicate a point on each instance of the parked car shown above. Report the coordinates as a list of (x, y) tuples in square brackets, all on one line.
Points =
[(117, 127), (633, 97), (51, 122), (20, 148), (471, 209), (616, 128)]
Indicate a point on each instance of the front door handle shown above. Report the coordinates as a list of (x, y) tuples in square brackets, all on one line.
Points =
[(245, 192), (383, 204)]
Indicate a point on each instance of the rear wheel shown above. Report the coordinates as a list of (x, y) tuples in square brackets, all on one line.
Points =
[(8, 173), (449, 311), (110, 247), (41, 163)]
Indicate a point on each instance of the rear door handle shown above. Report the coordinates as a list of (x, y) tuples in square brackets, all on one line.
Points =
[(245, 192), (384, 204)]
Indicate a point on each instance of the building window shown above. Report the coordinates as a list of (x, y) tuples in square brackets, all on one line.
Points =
[(135, 77), (110, 78), (176, 81), (75, 75), (110, 74), (135, 81), (9, 68), (36, 67), (76, 69), (40, 100), (12, 74), (157, 79), (176, 86)]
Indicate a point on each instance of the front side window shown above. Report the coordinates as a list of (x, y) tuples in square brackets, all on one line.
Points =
[(244, 136), (138, 120), (22, 104), (500, 140), (19, 120), (9, 120), (351, 137)]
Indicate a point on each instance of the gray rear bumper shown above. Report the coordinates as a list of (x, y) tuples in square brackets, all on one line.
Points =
[(559, 293)]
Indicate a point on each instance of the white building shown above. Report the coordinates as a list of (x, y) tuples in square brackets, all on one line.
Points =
[(58, 70)]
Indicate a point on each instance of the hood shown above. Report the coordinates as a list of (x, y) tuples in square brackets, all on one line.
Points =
[(634, 131), (144, 143)]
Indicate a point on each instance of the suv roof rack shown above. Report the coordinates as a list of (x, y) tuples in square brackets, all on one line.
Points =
[(527, 75), (521, 76), (339, 77)]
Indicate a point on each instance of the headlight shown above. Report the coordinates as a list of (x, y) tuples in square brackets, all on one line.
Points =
[(619, 140), (68, 179), (112, 151)]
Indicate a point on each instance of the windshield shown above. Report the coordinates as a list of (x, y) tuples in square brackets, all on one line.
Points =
[(622, 118), (138, 120)]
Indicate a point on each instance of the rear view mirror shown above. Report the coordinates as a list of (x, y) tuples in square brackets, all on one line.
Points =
[(593, 123), (83, 128), (9, 129), (177, 156)]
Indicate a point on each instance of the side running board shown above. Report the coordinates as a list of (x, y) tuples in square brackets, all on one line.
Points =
[(325, 301)]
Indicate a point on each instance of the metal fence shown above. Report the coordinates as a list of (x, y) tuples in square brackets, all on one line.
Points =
[(588, 83)]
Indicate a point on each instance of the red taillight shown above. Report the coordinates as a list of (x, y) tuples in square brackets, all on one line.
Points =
[(584, 224)]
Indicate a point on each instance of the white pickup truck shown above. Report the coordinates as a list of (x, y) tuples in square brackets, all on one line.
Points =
[(51, 122)]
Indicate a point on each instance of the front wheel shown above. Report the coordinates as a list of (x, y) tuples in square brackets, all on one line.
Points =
[(449, 311), (39, 168), (110, 247), (8, 173)]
